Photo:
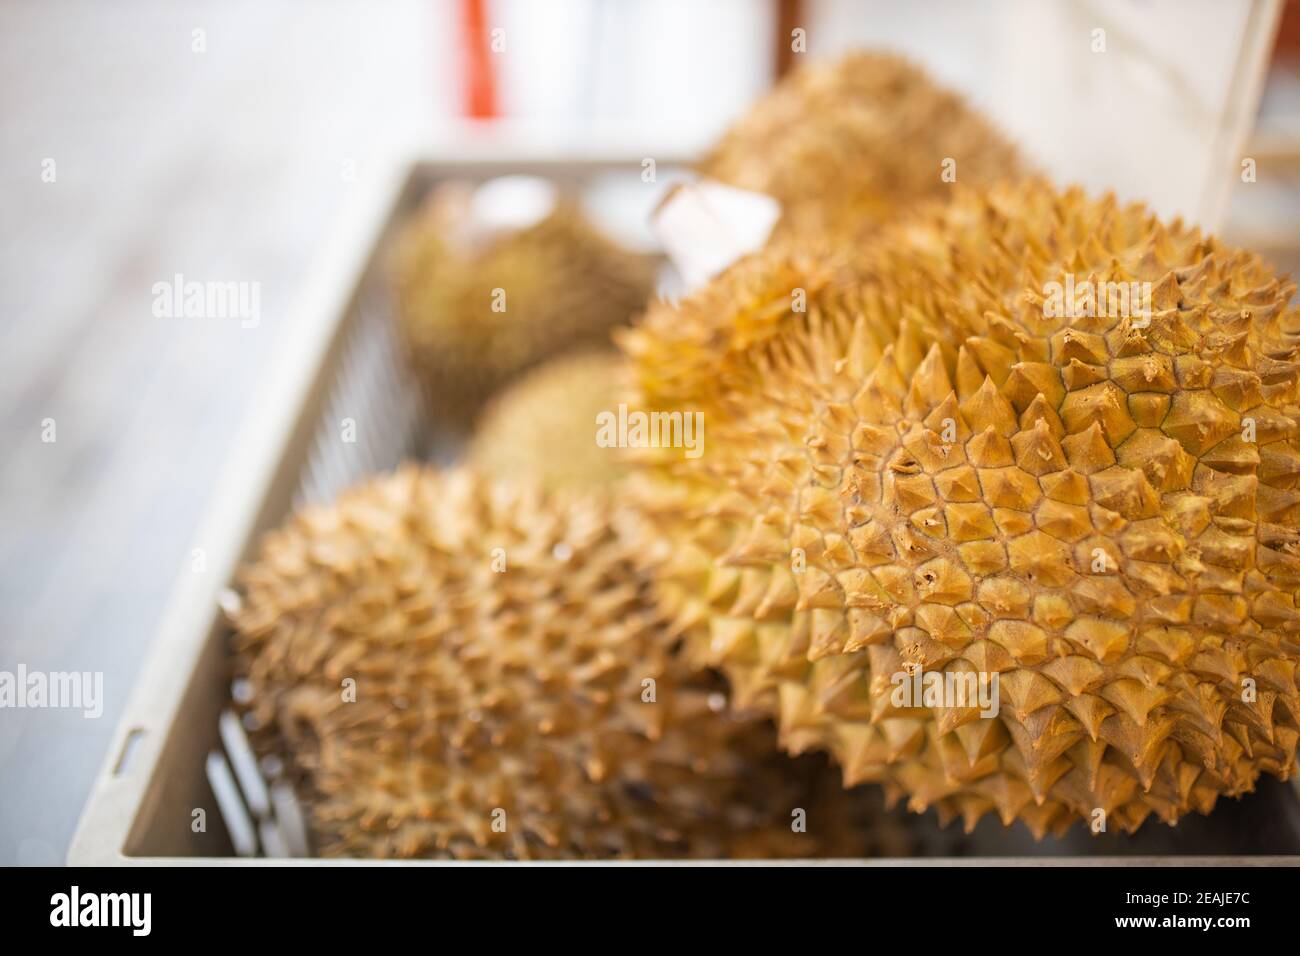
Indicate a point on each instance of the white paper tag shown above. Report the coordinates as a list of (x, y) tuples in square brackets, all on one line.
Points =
[(705, 226)]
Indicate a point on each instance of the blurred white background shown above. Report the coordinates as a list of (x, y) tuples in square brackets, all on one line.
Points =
[(235, 161)]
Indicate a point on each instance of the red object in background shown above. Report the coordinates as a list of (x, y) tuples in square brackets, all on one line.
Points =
[(480, 79)]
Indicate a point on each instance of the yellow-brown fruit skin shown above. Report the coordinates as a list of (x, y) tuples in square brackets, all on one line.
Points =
[(506, 687), (557, 286), (544, 426), (946, 464), (846, 144)]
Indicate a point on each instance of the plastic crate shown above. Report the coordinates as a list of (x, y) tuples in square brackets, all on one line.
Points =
[(179, 749)]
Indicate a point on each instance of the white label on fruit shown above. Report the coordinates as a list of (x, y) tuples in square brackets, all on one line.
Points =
[(705, 226)]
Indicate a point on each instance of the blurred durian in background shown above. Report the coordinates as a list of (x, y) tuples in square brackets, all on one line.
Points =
[(544, 425), (494, 279), (846, 144)]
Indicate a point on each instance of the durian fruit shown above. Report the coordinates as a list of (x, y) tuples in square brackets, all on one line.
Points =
[(476, 307), (845, 144), (943, 462), (457, 669), (545, 425)]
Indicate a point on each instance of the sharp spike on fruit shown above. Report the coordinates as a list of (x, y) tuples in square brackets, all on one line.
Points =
[(995, 359), (1088, 451), (1040, 411), (969, 375), (1028, 380), (930, 385), (988, 409), (946, 420), (908, 351), (988, 449)]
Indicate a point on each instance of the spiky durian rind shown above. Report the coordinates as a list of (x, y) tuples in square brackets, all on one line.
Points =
[(922, 469), (459, 669)]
